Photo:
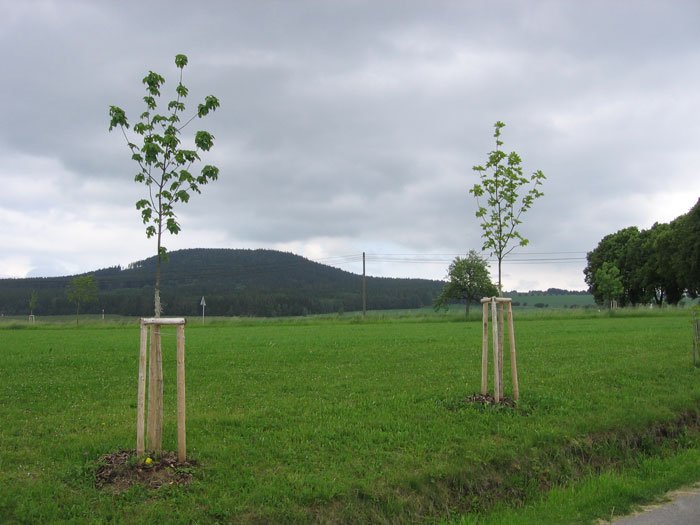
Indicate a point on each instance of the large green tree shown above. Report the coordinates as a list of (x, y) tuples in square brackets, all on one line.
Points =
[(468, 280), (502, 185), (687, 255), (164, 166), (81, 290), (614, 249)]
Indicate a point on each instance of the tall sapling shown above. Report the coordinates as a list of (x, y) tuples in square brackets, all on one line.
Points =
[(164, 167)]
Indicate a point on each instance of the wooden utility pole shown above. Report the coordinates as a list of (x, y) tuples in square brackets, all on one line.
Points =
[(364, 288)]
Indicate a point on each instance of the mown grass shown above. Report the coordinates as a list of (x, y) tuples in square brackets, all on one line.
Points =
[(344, 420)]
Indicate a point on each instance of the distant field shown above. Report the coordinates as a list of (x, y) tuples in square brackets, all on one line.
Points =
[(338, 420), (523, 300)]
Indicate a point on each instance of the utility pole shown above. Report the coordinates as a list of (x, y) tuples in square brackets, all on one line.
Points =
[(364, 288)]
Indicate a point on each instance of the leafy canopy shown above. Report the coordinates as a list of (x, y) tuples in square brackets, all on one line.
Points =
[(468, 280), (609, 282), (501, 181), (81, 290), (164, 166)]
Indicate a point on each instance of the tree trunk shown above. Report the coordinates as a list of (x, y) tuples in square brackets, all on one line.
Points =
[(468, 301), (77, 312), (157, 306), (500, 286)]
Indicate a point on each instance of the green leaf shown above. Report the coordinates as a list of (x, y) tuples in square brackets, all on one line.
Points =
[(180, 61), (153, 82), (172, 226), (210, 104), (204, 140), (117, 118), (210, 172)]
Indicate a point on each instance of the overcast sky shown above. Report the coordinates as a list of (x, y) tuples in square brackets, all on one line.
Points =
[(350, 126)]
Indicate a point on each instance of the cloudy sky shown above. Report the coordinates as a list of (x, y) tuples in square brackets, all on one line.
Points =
[(350, 126)]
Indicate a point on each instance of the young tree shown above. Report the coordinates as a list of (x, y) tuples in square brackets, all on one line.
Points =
[(501, 182), (468, 279), (609, 283), (164, 167), (33, 299), (81, 290)]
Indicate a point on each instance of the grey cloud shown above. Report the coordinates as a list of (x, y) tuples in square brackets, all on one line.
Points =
[(362, 120)]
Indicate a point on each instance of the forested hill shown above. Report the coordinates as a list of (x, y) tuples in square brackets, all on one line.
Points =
[(233, 282)]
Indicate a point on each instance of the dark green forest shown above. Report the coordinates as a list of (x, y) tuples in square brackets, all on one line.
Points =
[(659, 265), (261, 283)]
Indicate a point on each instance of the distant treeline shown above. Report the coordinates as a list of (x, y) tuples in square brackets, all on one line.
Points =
[(550, 291), (661, 264), (233, 282)]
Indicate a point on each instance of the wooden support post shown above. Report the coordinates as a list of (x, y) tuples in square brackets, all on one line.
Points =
[(153, 371), (513, 362), (158, 365), (152, 387), (141, 403), (496, 364), (501, 327), (155, 392), (485, 349), (181, 432), (497, 319)]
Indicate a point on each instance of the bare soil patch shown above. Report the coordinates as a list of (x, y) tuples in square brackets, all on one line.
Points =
[(488, 399), (118, 471)]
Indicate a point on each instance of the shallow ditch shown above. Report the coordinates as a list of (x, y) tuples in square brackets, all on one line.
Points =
[(477, 488)]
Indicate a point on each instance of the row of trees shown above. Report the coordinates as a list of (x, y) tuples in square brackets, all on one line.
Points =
[(658, 265)]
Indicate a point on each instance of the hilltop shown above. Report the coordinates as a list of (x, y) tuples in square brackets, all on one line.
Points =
[(233, 281)]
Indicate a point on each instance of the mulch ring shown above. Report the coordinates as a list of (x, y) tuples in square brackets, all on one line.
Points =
[(120, 470), (489, 400)]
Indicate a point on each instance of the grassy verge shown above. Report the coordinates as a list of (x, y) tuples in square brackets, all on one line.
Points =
[(338, 420)]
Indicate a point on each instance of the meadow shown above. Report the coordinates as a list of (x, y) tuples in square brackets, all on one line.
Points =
[(342, 420)]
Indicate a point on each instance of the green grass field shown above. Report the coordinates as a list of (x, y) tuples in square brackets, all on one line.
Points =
[(343, 420)]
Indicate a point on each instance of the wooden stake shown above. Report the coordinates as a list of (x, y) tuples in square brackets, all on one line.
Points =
[(513, 362), (496, 364), (154, 372), (152, 389), (140, 412), (501, 345), (158, 444), (485, 350), (181, 431)]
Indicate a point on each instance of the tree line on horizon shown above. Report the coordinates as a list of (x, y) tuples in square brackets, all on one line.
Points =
[(660, 265)]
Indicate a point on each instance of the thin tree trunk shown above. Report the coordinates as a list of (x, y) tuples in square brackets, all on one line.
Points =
[(500, 286), (468, 301), (158, 308)]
